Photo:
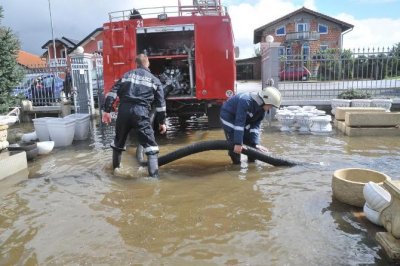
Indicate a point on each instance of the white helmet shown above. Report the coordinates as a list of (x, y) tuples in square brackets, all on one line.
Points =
[(271, 95)]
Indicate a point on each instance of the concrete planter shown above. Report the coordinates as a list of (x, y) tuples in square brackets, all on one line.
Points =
[(339, 103), (348, 184), (361, 103), (383, 103), (320, 125)]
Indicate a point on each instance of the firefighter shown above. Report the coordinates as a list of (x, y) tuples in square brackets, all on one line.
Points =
[(137, 90), (241, 116)]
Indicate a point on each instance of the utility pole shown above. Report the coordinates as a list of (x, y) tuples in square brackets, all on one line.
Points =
[(52, 35)]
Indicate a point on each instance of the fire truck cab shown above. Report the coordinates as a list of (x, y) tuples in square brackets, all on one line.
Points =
[(190, 48)]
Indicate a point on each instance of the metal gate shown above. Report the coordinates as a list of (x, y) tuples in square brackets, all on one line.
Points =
[(81, 68), (98, 81)]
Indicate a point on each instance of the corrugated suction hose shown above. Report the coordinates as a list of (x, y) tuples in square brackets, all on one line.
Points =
[(215, 145)]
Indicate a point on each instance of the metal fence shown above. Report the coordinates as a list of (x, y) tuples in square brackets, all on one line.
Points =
[(42, 85), (78, 82), (327, 74)]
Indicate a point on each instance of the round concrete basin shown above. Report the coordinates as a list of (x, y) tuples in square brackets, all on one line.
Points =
[(348, 184)]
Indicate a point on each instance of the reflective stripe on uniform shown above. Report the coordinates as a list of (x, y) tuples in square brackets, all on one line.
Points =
[(247, 127), (151, 148), (140, 80), (254, 130), (226, 123), (112, 94), (250, 114), (161, 109)]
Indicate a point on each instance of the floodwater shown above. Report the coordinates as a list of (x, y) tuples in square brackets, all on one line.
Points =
[(69, 209), (201, 211)]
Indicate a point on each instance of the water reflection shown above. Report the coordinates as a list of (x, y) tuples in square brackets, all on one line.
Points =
[(202, 211)]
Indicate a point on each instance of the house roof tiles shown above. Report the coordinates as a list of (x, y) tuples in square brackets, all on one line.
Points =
[(28, 60)]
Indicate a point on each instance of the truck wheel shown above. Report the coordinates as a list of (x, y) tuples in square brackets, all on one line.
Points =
[(213, 116)]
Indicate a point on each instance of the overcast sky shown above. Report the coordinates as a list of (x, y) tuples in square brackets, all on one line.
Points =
[(376, 22)]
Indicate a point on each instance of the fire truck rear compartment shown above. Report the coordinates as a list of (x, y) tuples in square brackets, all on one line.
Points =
[(171, 50), (172, 58)]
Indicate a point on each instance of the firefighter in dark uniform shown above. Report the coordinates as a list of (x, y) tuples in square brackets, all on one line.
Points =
[(241, 117), (137, 90)]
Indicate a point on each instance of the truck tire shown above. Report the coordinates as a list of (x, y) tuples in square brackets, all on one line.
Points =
[(213, 116)]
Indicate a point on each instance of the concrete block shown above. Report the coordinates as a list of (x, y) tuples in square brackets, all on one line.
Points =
[(356, 119), (340, 125), (341, 111), (8, 184), (3, 132), (372, 131), (12, 163), (390, 244)]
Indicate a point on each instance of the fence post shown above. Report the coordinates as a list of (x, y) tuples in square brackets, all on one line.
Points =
[(81, 68), (270, 62)]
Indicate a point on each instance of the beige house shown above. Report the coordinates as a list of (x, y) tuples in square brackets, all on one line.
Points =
[(304, 32)]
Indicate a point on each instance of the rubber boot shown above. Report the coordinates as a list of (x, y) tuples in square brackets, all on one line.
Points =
[(116, 158), (235, 157), (152, 165)]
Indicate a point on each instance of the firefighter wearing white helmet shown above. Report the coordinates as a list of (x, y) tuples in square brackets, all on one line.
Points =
[(241, 117), (271, 96)]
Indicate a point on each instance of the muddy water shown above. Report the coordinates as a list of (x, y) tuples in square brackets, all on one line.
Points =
[(202, 210)]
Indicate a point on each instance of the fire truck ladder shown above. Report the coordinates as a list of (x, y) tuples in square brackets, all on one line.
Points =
[(119, 39), (202, 7)]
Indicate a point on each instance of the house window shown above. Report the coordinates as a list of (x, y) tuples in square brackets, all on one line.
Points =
[(323, 47), (281, 51), (306, 51), (63, 54), (100, 46), (280, 31), (322, 29), (301, 27)]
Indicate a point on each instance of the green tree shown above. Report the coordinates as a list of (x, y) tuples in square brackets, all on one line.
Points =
[(10, 72), (396, 49)]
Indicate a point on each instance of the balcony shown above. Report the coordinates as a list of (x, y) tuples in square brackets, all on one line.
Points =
[(303, 36), (59, 62)]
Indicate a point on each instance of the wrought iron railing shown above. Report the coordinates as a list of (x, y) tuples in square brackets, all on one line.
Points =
[(199, 7), (304, 35), (326, 74), (59, 62)]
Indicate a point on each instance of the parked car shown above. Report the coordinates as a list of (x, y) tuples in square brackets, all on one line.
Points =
[(23, 89), (40, 88), (295, 73)]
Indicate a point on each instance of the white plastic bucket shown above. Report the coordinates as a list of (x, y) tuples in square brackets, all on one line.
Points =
[(376, 196), (372, 215), (82, 125), (61, 131), (45, 147), (41, 129)]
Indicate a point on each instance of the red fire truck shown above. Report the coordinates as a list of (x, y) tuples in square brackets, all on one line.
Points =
[(190, 48)]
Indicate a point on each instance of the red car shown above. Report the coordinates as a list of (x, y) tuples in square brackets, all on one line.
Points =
[(295, 73)]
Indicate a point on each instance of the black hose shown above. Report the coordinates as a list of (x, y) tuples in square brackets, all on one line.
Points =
[(217, 145)]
